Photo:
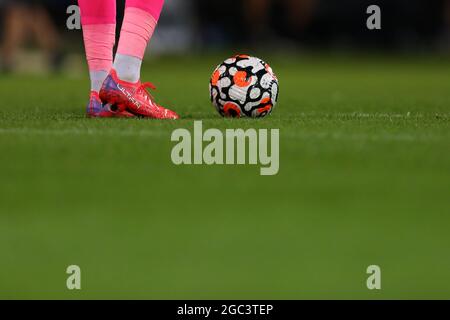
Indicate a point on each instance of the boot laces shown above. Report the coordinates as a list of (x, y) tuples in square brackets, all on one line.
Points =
[(143, 89)]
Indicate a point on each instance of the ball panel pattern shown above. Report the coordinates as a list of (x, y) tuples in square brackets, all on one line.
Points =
[(244, 86)]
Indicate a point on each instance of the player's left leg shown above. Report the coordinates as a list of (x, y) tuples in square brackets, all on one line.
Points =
[(98, 19), (123, 87), (15, 31)]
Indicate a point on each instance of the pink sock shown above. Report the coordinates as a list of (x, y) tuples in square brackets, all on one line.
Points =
[(97, 11), (153, 7), (141, 17), (99, 31)]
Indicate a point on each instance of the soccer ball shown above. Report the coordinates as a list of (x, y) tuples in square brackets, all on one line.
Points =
[(244, 86)]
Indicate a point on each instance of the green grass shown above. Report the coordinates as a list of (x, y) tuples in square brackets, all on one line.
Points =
[(364, 179)]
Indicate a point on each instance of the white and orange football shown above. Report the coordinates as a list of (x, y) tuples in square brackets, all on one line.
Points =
[(244, 86)]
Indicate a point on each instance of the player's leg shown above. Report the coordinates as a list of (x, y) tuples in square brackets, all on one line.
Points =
[(123, 86), (98, 19), (46, 34), (15, 29), (141, 17)]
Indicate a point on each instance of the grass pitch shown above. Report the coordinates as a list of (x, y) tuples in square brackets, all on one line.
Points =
[(364, 179)]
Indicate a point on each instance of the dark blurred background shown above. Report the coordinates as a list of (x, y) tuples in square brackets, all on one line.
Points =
[(34, 31)]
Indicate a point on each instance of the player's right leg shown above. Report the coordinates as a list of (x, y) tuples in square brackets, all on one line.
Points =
[(98, 19), (123, 86)]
